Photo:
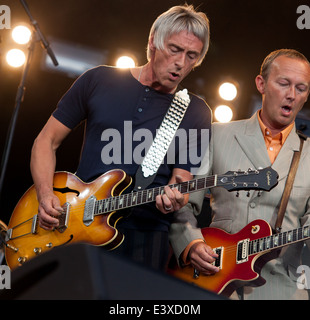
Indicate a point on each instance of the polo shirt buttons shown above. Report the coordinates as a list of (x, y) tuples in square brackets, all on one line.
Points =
[(140, 109)]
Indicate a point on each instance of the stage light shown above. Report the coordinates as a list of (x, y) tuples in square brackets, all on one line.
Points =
[(125, 62), (228, 91), (21, 34), (15, 58), (223, 113)]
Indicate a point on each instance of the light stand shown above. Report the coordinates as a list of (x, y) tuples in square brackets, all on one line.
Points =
[(36, 36)]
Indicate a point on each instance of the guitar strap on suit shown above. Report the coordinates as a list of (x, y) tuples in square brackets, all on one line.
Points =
[(164, 136), (289, 183)]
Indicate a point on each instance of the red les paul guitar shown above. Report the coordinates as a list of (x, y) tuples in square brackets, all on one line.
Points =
[(92, 210), (241, 256)]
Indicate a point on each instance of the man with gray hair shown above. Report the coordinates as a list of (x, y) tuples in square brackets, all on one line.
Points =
[(110, 98)]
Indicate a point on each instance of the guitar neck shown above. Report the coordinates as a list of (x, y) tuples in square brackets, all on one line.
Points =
[(136, 198), (279, 240)]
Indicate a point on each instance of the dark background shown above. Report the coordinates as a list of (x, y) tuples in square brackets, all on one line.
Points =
[(243, 32)]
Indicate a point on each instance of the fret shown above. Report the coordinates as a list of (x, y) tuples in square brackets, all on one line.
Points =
[(184, 187), (134, 198), (96, 206), (180, 188), (209, 182), (201, 184), (255, 246), (261, 244), (289, 236), (138, 197), (112, 203), (283, 238), (121, 202), (144, 196), (150, 195), (306, 232), (268, 242), (106, 205), (127, 201), (100, 206), (192, 185), (156, 192)]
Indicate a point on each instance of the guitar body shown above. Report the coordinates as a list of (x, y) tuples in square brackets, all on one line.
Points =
[(91, 210), (24, 243), (232, 274)]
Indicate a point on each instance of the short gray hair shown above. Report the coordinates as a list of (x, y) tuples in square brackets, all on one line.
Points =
[(177, 19)]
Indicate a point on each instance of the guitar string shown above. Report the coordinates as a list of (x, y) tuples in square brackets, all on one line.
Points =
[(129, 196), (107, 202), (155, 191)]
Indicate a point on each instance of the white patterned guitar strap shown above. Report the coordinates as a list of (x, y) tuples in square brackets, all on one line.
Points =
[(164, 136)]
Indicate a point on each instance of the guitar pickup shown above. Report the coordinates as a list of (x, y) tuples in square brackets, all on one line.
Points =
[(89, 211), (242, 251), (63, 218)]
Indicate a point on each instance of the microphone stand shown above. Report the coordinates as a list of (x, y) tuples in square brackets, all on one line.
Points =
[(37, 35)]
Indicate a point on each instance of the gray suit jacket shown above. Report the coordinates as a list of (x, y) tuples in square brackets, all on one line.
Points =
[(240, 145)]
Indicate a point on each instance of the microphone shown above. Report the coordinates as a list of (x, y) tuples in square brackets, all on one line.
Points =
[(45, 44)]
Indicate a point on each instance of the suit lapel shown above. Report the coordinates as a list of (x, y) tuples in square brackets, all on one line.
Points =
[(252, 143)]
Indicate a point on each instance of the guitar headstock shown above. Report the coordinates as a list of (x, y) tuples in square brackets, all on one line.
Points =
[(262, 179)]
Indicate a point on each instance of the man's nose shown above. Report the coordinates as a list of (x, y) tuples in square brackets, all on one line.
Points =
[(180, 60), (291, 93)]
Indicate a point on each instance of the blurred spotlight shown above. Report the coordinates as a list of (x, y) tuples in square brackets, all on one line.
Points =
[(223, 113), (228, 91), (125, 62), (73, 58), (21, 34), (15, 58)]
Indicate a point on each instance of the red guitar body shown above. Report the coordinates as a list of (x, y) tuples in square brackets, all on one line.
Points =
[(236, 268)]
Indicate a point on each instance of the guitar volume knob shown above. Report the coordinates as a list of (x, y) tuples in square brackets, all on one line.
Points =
[(37, 250), (21, 260)]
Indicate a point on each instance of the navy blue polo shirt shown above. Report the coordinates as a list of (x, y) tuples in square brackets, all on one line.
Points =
[(122, 116)]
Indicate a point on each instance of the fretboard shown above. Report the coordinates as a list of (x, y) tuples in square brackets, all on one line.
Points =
[(279, 240), (136, 198)]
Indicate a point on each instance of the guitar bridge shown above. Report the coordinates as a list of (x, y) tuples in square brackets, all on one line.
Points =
[(218, 261)]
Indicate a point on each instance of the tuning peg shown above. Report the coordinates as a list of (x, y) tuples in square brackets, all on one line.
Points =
[(237, 194), (248, 194), (259, 193)]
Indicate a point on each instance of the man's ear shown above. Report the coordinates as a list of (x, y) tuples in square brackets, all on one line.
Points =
[(260, 84), (151, 43)]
